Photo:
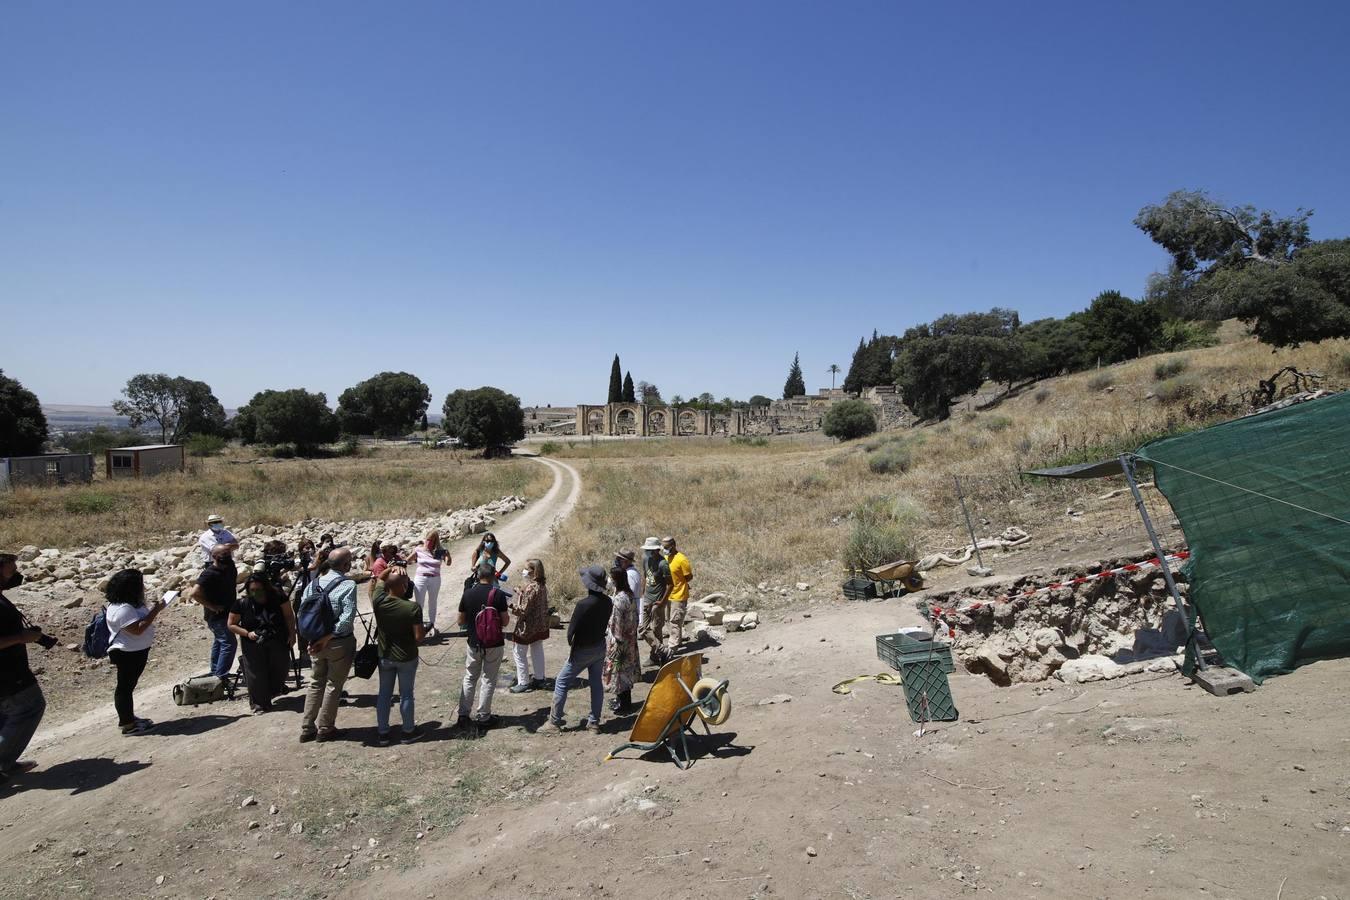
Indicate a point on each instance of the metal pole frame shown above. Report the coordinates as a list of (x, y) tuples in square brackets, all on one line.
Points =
[(974, 541), (1127, 465)]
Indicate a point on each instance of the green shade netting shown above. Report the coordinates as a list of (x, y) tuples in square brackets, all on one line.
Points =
[(1265, 504)]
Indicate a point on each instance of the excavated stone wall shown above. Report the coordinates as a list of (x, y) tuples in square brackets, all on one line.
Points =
[(1101, 628)]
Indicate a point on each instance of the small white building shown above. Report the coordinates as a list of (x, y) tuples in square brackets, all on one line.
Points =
[(151, 459)]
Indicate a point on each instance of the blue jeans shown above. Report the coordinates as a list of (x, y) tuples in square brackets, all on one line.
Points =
[(20, 714), (406, 673), (223, 645), (592, 661)]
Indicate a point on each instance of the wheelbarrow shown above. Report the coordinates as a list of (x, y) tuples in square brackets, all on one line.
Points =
[(679, 697), (895, 578)]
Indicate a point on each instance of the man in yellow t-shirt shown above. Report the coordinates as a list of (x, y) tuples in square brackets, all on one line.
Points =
[(681, 573)]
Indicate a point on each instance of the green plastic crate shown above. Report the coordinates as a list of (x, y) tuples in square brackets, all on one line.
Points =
[(898, 650), (858, 588), (927, 693)]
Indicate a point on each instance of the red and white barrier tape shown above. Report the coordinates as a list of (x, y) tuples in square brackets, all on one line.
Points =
[(1154, 563)]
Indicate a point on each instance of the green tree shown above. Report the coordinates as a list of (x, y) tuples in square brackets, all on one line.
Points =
[(23, 426), (388, 405), (100, 438), (1118, 328), (873, 363), (650, 394), (795, 386), (1262, 268), (177, 406), (295, 416), (760, 400), (423, 425), (615, 382), (833, 370), (484, 417), (849, 419), (629, 392)]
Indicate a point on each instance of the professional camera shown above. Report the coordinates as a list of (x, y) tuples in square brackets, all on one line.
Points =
[(46, 642), (275, 564), (264, 634)]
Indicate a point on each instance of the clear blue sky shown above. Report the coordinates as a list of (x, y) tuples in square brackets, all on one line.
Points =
[(303, 194)]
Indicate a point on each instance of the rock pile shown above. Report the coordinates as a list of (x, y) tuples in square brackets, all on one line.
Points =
[(1101, 628), (84, 569)]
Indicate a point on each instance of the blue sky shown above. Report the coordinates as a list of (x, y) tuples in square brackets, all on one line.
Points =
[(303, 194)]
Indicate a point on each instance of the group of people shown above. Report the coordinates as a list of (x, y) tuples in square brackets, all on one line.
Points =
[(622, 605)]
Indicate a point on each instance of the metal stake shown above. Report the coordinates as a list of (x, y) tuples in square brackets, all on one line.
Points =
[(974, 542), (1127, 464)]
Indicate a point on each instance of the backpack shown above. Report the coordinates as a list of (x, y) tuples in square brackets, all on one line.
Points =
[(317, 620), (487, 625), (97, 636)]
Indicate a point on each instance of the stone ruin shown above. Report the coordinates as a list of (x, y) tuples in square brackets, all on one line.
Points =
[(1101, 628), (641, 420)]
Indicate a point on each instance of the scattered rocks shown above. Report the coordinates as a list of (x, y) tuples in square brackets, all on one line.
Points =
[(297, 828), (811, 851), (248, 801), (776, 698), (78, 852)]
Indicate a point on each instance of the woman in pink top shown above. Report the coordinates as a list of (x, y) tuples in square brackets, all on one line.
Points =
[(428, 557)]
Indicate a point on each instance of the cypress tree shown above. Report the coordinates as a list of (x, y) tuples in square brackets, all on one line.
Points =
[(629, 392), (796, 384), (615, 382)]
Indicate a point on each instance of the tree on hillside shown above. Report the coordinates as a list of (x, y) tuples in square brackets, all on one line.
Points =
[(177, 406), (1117, 328), (833, 370), (872, 363), (795, 386), (849, 419), (615, 382), (388, 405), (629, 392), (23, 425), (295, 416), (1235, 262), (484, 417), (649, 394), (951, 356)]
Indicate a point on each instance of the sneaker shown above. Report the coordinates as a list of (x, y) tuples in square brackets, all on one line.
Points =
[(488, 722), (592, 726), (307, 736), (412, 737), (541, 684), (383, 740), (325, 734), (136, 728), (521, 688), (549, 727), (463, 722), (22, 767)]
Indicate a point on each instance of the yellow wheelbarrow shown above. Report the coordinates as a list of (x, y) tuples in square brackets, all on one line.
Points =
[(679, 697)]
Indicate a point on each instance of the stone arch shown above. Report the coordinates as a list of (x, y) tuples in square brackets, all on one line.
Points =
[(687, 421), (626, 420), (595, 421), (656, 421)]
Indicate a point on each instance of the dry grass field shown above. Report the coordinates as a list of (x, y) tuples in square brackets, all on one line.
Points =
[(387, 482), (788, 510)]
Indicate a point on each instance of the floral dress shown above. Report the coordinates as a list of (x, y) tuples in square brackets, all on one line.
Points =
[(622, 663), (530, 606)]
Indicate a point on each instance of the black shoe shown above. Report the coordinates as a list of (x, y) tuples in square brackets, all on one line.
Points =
[(307, 736), (489, 722), (383, 740), (463, 722), (412, 737), (541, 684)]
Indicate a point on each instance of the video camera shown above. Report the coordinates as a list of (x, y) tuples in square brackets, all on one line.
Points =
[(46, 641)]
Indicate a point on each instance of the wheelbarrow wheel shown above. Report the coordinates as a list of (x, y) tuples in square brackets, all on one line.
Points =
[(722, 709)]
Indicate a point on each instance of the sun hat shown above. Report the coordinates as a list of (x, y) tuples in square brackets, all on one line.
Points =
[(652, 543), (667, 541), (627, 554), (592, 578), (214, 517)]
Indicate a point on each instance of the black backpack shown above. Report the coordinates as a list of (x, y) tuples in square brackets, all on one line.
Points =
[(97, 636)]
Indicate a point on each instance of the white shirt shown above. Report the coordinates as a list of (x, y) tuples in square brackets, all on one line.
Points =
[(119, 616), (635, 581), (208, 541)]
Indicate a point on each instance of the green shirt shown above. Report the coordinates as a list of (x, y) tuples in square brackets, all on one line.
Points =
[(395, 619)]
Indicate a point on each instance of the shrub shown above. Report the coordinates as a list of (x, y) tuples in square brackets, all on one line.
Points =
[(1174, 390), (742, 440), (348, 446), (1179, 335), (282, 451), (205, 445), (549, 448), (976, 442), (883, 531), (893, 458), (998, 423), (849, 420), (1042, 395), (1341, 364), (1101, 381), (1170, 367), (90, 504)]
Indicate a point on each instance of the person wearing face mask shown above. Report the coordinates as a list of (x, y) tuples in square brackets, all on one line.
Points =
[(131, 625), (215, 591), (489, 551), (263, 620), (655, 598), (214, 536), (21, 700), (530, 607)]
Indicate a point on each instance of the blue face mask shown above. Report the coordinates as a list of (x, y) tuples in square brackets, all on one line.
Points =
[(490, 545), (217, 527)]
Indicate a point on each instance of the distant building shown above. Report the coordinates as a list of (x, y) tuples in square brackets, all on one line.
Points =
[(49, 468), (151, 459)]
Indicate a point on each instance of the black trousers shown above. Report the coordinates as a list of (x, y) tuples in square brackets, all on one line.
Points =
[(265, 668), (130, 664)]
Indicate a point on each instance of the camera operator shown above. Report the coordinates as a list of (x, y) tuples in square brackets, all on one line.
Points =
[(264, 621), (276, 562), (21, 700)]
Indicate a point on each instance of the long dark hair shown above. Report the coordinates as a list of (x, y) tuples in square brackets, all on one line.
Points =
[(274, 596), (620, 579), (482, 545), (127, 586)]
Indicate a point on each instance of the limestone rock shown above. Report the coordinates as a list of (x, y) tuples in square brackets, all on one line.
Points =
[(28, 553)]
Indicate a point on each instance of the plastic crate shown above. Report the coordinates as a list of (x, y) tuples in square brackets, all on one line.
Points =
[(927, 692), (860, 589), (899, 650)]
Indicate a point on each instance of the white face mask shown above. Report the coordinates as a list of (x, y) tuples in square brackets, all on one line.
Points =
[(527, 574)]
